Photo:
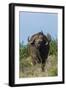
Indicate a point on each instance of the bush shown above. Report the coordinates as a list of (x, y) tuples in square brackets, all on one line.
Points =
[(53, 47), (23, 52)]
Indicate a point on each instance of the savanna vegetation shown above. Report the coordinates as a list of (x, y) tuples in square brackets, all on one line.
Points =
[(26, 67)]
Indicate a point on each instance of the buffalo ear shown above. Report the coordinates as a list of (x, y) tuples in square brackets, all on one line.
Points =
[(49, 37), (31, 41), (46, 43)]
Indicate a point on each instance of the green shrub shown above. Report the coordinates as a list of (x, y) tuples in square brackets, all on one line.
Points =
[(23, 52), (52, 72), (53, 47)]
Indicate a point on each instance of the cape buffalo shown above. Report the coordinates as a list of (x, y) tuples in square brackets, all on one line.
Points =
[(38, 47)]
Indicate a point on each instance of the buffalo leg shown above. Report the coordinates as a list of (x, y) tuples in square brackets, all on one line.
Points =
[(43, 66)]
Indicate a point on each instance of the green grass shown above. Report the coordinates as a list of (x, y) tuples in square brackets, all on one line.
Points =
[(27, 69)]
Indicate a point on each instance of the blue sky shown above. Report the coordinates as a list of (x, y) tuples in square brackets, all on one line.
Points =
[(33, 22)]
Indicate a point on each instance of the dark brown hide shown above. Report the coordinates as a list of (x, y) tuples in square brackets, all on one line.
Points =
[(38, 47)]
